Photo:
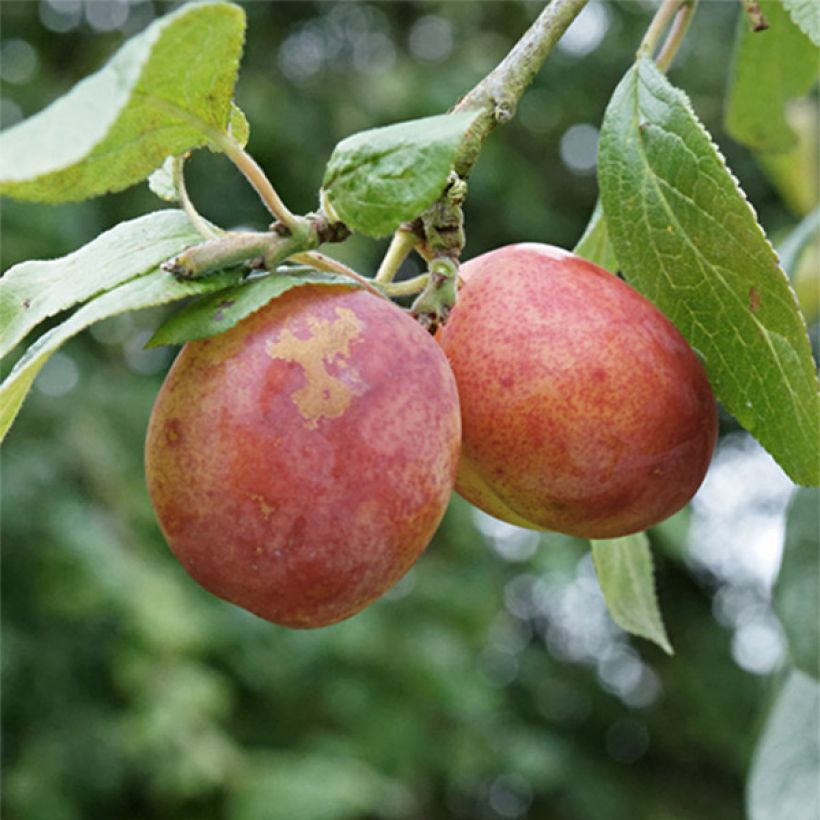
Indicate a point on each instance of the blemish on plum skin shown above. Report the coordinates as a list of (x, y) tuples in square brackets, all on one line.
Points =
[(26, 304), (173, 433), (754, 300)]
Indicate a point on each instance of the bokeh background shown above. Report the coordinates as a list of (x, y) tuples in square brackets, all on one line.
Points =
[(490, 683)]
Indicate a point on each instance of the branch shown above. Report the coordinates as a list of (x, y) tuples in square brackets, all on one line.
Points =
[(499, 92)]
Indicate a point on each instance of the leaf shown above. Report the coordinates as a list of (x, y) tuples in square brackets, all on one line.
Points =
[(155, 288), (379, 178), (238, 127), (165, 91), (33, 291), (806, 15), (220, 311), (625, 573), (797, 593), (594, 245), (770, 68), (791, 250), (786, 767), (161, 181), (686, 237)]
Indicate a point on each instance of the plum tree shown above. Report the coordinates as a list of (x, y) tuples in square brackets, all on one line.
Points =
[(584, 410), (300, 462)]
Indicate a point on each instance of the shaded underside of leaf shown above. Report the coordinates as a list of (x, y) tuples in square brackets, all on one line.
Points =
[(33, 291), (379, 178), (165, 91), (770, 68), (687, 238), (626, 575), (155, 288), (785, 772), (797, 592), (220, 311)]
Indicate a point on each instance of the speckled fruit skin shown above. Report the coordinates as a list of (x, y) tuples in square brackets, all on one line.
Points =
[(584, 410), (300, 463)]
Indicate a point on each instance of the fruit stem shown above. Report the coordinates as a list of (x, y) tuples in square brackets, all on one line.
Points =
[(434, 303), (233, 249), (201, 225), (409, 287), (252, 171), (327, 264), (401, 244), (670, 47), (497, 95), (663, 16)]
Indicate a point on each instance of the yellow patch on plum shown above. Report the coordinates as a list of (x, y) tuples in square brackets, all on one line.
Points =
[(324, 395)]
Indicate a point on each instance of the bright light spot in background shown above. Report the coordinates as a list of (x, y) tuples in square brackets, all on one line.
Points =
[(737, 534), (579, 148), (739, 517), (510, 795), (758, 646), (59, 376), (569, 614), (140, 360), (348, 36), (587, 30), (510, 542), (431, 38), (106, 15), (61, 15), (18, 61)]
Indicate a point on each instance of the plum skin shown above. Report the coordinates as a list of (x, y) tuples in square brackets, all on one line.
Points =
[(300, 462), (584, 410)]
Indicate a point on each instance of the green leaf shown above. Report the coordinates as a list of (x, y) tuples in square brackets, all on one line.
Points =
[(165, 91), (786, 767), (161, 181), (625, 573), (33, 291), (379, 178), (797, 592), (238, 127), (594, 245), (806, 14), (770, 68), (220, 311), (791, 250), (155, 288), (686, 237)]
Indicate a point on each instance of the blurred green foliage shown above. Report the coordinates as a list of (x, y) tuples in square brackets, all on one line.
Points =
[(489, 683)]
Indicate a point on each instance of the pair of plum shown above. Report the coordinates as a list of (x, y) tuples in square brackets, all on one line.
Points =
[(300, 462)]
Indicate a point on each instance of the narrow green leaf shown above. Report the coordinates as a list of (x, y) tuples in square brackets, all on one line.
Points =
[(797, 592), (594, 245), (625, 573), (806, 14), (379, 178), (165, 91), (770, 68), (220, 311), (785, 772), (686, 237), (155, 288), (33, 291)]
